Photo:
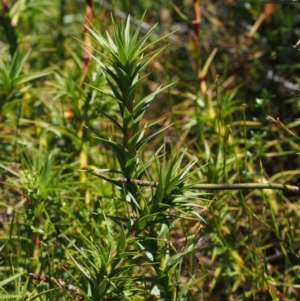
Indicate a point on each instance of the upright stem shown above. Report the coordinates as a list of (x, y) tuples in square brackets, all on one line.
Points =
[(87, 39), (196, 40)]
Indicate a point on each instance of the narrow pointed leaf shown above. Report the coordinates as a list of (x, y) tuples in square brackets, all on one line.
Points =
[(140, 143), (22, 79), (113, 120), (17, 64), (145, 101), (5, 81)]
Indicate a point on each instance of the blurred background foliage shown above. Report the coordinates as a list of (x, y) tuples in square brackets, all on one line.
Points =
[(231, 84)]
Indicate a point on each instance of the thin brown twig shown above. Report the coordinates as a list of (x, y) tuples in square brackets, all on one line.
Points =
[(196, 39), (197, 24), (59, 282), (268, 10), (5, 6), (87, 38)]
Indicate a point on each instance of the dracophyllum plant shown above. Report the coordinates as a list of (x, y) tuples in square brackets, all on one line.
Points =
[(122, 61), (143, 236)]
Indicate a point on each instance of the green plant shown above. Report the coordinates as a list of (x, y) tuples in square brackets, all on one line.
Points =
[(137, 232), (149, 215), (12, 80)]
